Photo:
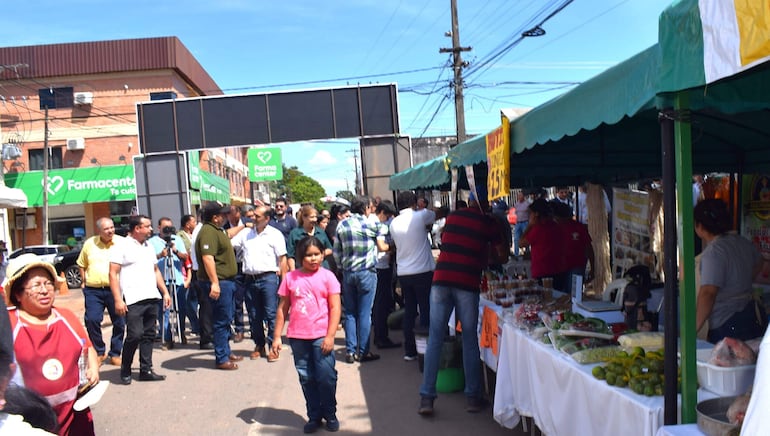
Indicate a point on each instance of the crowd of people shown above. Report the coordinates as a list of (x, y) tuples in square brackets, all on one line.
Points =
[(349, 267)]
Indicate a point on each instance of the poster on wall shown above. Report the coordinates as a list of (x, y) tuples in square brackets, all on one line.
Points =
[(631, 238), (756, 219)]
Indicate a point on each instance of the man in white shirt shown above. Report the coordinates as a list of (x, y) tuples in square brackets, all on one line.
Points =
[(263, 251), (414, 265), (135, 280)]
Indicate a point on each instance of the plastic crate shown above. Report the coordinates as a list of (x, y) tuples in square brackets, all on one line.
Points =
[(723, 381)]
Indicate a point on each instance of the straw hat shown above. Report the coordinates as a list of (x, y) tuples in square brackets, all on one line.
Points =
[(20, 265)]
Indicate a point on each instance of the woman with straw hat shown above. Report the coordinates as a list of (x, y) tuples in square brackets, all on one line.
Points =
[(49, 342)]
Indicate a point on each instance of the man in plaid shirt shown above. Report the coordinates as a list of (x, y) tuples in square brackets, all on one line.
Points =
[(355, 251)]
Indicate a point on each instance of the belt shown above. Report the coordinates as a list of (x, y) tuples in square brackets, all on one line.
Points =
[(97, 287), (258, 275)]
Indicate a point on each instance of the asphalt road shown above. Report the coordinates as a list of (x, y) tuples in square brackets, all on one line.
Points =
[(262, 398)]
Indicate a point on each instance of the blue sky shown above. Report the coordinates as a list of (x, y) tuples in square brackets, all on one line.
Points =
[(251, 46)]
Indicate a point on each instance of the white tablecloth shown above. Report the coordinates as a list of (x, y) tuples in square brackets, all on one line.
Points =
[(562, 396), (679, 430)]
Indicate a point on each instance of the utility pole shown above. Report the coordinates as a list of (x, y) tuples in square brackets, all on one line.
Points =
[(46, 150), (458, 66), (355, 159)]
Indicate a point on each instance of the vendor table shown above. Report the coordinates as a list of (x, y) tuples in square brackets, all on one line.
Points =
[(562, 396)]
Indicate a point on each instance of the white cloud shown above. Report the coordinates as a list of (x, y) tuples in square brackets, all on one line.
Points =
[(322, 157)]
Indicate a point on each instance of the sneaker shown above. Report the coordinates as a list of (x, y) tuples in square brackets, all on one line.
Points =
[(312, 426), (426, 406), (332, 424), (476, 404), (350, 358), (368, 357), (410, 357)]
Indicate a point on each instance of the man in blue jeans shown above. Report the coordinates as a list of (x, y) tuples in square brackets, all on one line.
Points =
[(216, 275), (467, 234), (94, 263), (262, 249), (355, 251)]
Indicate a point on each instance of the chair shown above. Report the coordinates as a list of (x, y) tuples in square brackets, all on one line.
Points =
[(614, 291)]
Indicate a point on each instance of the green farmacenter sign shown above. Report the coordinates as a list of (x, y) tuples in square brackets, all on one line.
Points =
[(77, 185), (265, 164)]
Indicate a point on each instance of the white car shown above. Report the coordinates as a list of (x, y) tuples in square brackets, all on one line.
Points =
[(46, 253)]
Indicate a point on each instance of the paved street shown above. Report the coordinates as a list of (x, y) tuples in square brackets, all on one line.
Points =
[(265, 398)]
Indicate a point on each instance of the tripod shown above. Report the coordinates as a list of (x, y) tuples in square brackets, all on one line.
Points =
[(169, 277)]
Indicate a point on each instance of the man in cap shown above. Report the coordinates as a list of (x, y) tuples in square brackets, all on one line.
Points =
[(216, 277)]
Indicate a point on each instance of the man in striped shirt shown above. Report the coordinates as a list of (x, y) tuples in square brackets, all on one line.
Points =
[(464, 250), (355, 252)]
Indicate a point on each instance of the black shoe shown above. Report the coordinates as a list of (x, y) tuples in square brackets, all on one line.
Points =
[(207, 346), (168, 345), (350, 358), (332, 424), (125, 380), (368, 357), (387, 343), (151, 376), (426, 406), (312, 426), (476, 404)]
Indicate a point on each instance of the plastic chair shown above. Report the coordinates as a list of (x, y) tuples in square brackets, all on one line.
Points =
[(614, 291)]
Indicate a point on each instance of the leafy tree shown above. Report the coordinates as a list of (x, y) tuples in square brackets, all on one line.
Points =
[(299, 188), (347, 195)]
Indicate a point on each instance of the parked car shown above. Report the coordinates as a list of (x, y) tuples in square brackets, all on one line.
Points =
[(66, 263), (61, 256)]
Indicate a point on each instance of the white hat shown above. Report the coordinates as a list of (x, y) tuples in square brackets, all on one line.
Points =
[(20, 265)]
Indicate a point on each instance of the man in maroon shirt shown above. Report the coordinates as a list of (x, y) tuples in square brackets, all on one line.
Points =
[(464, 249)]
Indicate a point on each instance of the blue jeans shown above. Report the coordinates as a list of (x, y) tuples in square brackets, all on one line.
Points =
[(96, 299), (222, 310), (466, 304), (517, 232), (181, 302), (191, 296), (416, 291), (317, 377), (358, 291), (238, 300), (261, 303)]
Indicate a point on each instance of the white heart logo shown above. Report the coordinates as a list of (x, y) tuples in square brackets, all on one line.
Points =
[(264, 156), (54, 184)]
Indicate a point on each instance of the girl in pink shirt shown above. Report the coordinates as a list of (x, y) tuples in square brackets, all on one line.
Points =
[(311, 295)]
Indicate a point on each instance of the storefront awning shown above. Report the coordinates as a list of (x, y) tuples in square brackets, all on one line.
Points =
[(77, 185), (430, 174)]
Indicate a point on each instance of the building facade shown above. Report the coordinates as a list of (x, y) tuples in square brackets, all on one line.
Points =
[(76, 102)]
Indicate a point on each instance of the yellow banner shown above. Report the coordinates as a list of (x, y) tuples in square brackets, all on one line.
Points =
[(499, 161)]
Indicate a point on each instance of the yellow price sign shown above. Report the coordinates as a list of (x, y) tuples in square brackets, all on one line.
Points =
[(498, 161)]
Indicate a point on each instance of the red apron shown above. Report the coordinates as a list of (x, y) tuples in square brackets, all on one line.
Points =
[(47, 358)]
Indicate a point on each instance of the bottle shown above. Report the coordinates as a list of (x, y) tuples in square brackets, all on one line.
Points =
[(83, 363)]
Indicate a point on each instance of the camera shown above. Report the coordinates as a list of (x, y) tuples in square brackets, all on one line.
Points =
[(167, 233)]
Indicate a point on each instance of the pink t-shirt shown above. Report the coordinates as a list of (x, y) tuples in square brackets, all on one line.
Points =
[(308, 302)]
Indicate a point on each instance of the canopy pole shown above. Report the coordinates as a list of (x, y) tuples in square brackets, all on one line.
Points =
[(687, 333), (670, 301)]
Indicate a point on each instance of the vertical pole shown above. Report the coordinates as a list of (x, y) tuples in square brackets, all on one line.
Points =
[(458, 75), (670, 302), (46, 151), (683, 154)]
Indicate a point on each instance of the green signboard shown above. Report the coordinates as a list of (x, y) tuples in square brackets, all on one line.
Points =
[(194, 167), (77, 185), (214, 188), (265, 164)]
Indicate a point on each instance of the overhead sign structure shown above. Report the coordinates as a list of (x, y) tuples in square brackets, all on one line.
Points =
[(499, 161), (265, 164), (77, 185)]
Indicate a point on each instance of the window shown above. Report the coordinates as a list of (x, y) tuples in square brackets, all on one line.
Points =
[(56, 98), (168, 95), (36, 161)]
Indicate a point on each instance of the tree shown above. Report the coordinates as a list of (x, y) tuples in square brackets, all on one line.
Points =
[(299, 188), (347, 195)]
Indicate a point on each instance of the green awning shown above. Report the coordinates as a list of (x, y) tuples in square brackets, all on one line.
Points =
[(470, 152), (430, 174)]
